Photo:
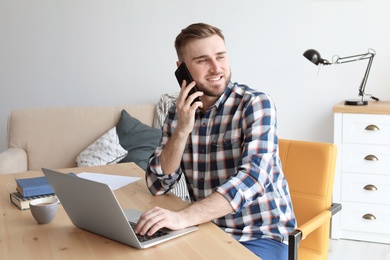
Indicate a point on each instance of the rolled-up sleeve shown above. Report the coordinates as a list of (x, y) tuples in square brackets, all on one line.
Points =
[(156, 180)]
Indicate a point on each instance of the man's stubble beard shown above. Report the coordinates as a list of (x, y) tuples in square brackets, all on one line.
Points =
[(207, 92)]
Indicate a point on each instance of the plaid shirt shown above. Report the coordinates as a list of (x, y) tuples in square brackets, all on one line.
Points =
[(233, 149)]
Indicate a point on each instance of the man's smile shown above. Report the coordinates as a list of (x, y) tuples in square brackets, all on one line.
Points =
[(214, 78)]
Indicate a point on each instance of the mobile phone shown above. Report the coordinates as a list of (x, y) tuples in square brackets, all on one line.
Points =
[(182, 73)]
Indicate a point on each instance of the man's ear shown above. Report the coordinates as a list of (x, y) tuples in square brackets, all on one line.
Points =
[(178, 63)]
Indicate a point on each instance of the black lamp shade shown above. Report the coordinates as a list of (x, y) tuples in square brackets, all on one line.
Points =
[(313, 56)]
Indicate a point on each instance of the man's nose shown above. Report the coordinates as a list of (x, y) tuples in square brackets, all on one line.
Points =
[(213, 65)]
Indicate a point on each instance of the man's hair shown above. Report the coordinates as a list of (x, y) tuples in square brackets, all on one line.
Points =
[(194, 31)]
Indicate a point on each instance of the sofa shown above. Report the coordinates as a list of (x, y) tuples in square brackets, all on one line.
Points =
[(54, 137), (64, 137)]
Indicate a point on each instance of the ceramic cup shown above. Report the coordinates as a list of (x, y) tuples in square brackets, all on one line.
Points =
[(44, 209)]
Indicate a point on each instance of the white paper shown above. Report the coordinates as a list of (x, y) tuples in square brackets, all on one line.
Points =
[(114, 181)]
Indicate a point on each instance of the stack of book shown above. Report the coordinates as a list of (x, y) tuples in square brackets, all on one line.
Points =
[(29, 189)]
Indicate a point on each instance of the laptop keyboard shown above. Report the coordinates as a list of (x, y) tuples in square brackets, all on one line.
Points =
[(144, 238)]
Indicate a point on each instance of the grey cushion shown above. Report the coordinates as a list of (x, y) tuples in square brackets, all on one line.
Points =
[(137, 138)]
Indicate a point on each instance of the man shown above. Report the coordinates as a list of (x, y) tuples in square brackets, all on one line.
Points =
[(227, 147)]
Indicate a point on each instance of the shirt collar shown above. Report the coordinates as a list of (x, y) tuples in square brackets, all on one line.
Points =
[(221, 100)]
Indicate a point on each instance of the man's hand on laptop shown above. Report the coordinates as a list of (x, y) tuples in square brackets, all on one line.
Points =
[(156, 218), (207, 209)]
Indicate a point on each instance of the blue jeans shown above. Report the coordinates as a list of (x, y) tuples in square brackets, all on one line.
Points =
[(267, 249)]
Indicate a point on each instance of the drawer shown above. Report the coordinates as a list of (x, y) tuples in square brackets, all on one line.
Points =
[(366, 188), (366, 158), (352, 217), (360, 129)]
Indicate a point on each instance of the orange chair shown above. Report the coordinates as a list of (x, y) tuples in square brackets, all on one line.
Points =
[(309, 168)]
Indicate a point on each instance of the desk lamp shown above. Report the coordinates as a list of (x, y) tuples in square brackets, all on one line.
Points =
[(315, 57)]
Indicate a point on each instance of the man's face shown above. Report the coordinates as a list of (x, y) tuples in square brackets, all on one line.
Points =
[(208, 64)]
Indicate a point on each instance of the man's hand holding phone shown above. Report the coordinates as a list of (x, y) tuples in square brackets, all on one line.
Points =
[(188, 90), (184, 79), (187, 102)]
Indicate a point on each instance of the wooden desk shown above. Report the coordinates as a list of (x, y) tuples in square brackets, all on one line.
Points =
[(22, 238)]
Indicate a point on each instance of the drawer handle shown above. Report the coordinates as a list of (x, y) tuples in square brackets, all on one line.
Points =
[(371, 157), (372, 128), (370, 187), (369, 217)]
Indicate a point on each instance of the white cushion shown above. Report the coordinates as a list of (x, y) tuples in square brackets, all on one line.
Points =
[(105, 150)]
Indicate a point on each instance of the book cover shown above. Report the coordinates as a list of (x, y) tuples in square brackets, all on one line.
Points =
[(36, 186), (24, 203)]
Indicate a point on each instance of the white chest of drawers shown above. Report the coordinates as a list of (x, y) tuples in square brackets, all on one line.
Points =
[(362, 179)]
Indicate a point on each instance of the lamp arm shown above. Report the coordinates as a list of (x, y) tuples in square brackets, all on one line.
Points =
[(364, 81), (341, 60), (369, 55)]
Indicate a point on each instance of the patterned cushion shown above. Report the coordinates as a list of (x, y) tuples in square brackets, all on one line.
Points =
[(105, 150), (162, 108)]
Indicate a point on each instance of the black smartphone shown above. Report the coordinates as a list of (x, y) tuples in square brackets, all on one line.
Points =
[(181, 74)]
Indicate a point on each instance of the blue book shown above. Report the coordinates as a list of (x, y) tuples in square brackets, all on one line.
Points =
[(36, 186)]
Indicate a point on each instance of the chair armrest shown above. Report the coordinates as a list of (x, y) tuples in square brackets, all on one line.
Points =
[(314, 223), (305, 229), (335, 208), (13, 160)]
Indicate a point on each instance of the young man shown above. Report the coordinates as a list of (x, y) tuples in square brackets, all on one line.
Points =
[(227, 147)]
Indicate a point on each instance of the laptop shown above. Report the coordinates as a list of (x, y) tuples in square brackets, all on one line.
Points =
[(92, 206)]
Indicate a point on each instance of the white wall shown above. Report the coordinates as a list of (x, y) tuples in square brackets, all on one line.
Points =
[(112, 52)]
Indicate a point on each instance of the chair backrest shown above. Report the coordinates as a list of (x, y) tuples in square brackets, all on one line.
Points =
[(309, 168)]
